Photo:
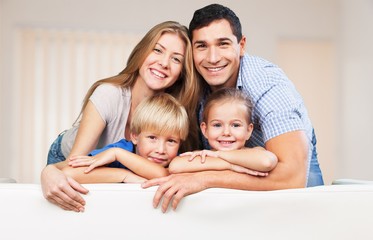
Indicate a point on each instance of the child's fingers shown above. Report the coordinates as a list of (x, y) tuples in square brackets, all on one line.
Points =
[(77, 157), (192, 156), (81, 162), (90, 168), (186, 154), (203, 157)]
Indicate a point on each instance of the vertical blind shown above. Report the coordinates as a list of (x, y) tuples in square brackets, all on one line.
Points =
[(53, 70)]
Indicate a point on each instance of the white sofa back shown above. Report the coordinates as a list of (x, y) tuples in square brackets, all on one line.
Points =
[(124, 211)]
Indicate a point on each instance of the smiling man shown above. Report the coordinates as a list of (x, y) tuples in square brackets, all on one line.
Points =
[(281, 122)]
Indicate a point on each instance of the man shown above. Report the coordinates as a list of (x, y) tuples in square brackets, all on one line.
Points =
[(281, 122)]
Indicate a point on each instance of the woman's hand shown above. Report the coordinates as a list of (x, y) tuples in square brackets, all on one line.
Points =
[(61, 190)]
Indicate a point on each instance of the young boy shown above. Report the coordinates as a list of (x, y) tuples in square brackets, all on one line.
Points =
[(158, 126), (226, 124)]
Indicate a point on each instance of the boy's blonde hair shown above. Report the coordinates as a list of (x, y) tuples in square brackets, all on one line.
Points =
[(160, 113)]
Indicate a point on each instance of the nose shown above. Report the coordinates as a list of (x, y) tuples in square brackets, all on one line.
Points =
[(226, 131), (213, 55), (164, 61), (160, 147)]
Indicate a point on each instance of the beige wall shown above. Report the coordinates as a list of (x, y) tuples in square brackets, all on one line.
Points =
[(311, 66), (266, 23)]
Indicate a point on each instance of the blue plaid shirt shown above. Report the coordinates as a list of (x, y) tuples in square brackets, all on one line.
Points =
[(278, 107)]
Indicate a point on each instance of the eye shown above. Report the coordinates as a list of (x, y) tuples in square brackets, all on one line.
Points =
[(236, 125), (176, 60), (157, 50), (216, 125), (151, 137), (200, 46), (172, 140), (224, 44)]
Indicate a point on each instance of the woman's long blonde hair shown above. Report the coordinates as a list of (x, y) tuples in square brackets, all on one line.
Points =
[(186, 89)]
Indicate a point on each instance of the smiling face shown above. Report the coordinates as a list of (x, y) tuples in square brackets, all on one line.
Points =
[(157, 148), (227, 127), (163, 66), (216, 54)]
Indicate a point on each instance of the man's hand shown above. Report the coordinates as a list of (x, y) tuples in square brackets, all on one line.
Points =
[(61, 190), (174, 187)]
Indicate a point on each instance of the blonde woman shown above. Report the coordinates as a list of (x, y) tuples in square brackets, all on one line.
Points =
[(160, 62)]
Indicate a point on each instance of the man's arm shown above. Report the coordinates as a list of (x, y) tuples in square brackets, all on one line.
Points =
[(290, 148)]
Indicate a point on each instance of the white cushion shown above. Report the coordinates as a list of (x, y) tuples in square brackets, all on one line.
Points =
[(124, 211)]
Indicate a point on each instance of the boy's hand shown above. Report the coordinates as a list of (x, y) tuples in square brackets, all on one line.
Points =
[(92, 162)]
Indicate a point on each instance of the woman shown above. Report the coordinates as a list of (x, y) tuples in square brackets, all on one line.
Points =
[(161, 62)]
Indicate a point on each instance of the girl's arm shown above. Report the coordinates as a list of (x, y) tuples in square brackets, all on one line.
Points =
[(256, 158), (137, 164), (183, 164)]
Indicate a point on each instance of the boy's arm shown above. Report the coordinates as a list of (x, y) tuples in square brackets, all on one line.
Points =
[(103, 175), (256, 158), (139, 165)]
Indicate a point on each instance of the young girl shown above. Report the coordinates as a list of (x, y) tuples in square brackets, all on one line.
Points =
[(158, 126), (160, 62), (227, 126)]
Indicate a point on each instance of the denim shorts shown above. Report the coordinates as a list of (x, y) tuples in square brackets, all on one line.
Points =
[(55, 154)]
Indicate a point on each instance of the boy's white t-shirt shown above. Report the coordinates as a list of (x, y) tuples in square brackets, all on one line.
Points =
[(113, 103)]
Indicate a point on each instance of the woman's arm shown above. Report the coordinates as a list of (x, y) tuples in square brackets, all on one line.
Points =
[(89, 132), (60, 189)]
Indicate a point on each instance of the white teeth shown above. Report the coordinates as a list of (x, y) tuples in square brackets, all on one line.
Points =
[(158, 74), (215, 69)]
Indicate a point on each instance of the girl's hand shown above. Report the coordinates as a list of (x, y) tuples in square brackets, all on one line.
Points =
[(203, 154), (241, 169)]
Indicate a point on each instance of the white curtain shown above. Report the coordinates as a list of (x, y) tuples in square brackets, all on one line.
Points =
[(53, 71)]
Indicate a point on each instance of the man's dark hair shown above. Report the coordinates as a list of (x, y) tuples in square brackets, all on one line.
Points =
[(206, 15)]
